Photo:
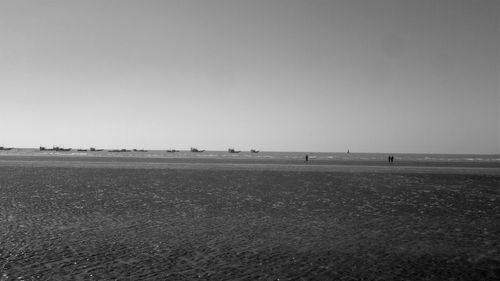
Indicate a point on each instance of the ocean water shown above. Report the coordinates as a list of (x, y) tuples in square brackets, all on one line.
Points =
[(263, 155)]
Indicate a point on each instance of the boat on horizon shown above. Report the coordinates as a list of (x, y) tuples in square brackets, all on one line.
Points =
[(81, 149), (194, 149), (5, 148), (231, 150), (254, 151), (120, 150), (172, 150), (139, 150), (94, 149), (54, 148)]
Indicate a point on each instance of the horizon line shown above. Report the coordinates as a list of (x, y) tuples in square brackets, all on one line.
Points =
[(263, 150)]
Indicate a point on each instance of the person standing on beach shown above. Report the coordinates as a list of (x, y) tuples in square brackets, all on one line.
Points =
[(389, 159), (307, 158)]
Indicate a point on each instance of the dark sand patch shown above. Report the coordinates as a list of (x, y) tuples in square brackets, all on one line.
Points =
[(247, 224)]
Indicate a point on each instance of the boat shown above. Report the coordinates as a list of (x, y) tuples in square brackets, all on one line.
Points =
[(94, 149), (81, 150), (119, 150), (5, 148), (55, 148), (172, 150), (231, 150), (139, 150), (254, 151), (193, 149)]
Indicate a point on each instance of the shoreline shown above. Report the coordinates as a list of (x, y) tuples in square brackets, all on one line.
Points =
[(251, 164)]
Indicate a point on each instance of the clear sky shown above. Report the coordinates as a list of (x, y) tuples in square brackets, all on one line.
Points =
[(286, 75)]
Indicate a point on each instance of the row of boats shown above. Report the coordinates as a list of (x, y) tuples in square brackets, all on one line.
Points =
[(58, 148), (193, 149), (230, 150)]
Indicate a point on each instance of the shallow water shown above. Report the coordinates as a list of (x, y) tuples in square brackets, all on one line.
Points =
[(266, 155)]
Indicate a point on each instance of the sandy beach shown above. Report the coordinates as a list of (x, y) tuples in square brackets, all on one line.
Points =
[(249, 140), (123, 220)]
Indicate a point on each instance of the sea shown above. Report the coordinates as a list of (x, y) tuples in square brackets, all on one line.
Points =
[(264, 155)]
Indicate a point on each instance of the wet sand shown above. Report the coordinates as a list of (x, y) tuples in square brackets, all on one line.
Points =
[(128, 220)]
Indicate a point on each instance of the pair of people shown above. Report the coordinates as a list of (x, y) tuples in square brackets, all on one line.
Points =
[(390, 159)]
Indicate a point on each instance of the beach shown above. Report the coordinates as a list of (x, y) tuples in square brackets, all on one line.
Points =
[(90, 218)]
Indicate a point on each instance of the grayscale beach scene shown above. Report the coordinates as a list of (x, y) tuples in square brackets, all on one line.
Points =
[(249, 140)]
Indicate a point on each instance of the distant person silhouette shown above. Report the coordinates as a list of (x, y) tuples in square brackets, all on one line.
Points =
[(389, 159), (392, 159), (307, 158)]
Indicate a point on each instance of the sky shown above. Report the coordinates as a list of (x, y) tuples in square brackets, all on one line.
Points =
[(418, 76)]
